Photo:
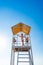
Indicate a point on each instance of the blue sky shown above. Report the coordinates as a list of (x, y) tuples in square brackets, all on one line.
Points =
[(29, 12)]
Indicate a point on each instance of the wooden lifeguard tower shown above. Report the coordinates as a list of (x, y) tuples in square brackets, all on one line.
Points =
[(17, 45)]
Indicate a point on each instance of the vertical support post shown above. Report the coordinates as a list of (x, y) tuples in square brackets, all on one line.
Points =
[(12, 57), (17, 39), (31, 52), (17, 56), (29, 57)]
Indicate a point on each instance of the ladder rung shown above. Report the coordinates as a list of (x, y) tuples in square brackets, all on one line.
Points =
[(23, 61), (23, 57), (23, 54)]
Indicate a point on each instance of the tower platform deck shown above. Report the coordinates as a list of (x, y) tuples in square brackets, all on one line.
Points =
[(21, 48)]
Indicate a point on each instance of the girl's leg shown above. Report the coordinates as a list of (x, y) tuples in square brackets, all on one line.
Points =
[(22, 43)]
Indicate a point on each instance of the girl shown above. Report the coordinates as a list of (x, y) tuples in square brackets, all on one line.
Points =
[(22, 38)]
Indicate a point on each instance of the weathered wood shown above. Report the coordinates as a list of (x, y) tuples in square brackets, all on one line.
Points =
[(21, 28), (21, 49)]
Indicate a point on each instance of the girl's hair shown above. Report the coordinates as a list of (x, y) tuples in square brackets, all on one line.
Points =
[(22, 34)]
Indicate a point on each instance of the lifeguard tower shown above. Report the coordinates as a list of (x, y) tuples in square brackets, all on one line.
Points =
[(22, 44)]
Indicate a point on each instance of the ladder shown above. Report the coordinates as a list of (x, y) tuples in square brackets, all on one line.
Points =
[(24, 58)]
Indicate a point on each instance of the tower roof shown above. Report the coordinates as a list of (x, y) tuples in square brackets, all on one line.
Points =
[(20, 27)]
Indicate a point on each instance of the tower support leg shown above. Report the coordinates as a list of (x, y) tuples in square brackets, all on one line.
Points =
[(12, 57)]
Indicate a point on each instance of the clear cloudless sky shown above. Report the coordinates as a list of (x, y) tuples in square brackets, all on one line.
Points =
[(29, 12)]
